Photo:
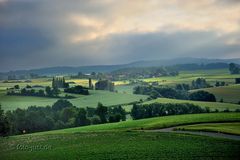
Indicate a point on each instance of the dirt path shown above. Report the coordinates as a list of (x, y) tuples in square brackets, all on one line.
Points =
[(202, 133)]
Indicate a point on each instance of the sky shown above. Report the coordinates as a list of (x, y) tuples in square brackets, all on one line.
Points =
[(45, 33)]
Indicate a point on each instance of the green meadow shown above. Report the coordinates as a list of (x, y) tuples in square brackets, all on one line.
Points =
[(127, 139), (120, 141), (188, 76), (117, 145), (123, 96), (119, 80), (229, 94), (22, 83), (105, 97)]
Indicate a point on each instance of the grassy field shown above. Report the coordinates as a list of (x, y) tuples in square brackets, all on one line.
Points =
[(105, 97), (227, 93), (48, 82), (117, 145), (125, 88), (40, 81), (153, 123), (229, 128), (116, 141), (188, 76), (124, 96), (212, 105)]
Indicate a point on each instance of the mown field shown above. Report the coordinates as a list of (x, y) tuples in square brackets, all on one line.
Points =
[(105, 97), (229, 94), (229, 128), (118, 145), (125, 88), (212, 105), (120, 141)]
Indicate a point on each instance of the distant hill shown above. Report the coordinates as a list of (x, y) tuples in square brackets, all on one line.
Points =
[(67, 70), (186, 60)]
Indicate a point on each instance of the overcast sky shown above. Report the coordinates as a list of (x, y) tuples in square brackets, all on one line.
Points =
[(44, 33)]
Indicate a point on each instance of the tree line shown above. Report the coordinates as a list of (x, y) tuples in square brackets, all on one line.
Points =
[(167, 92), (197, 84), (161, 109), (29, 91), (62, 114), (77, 90), (234, 68)]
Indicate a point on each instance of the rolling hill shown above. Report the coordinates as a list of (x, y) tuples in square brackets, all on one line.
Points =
[(108, 68)]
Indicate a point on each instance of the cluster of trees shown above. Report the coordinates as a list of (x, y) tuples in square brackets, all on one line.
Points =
[(156, 92), (29, 91), (183, 87), (200, 83), (52, 92), (159, 109), (59, 82), (104, 85), (167, 92), (4, 123), (62, 114), (218, 84), (237, 80), (197, 84), (234, 68), (77, 90), (202, 96)]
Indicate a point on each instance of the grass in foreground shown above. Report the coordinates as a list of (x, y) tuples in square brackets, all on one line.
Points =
[(118, 145), (229, 128), (211, 105), (116, 141)]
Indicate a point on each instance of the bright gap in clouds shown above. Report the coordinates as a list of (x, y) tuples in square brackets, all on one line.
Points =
[(41, 33)]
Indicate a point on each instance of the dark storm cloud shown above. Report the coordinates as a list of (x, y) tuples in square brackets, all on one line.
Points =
[(22, 41), (169, 45), (20, 35), (59, 33)]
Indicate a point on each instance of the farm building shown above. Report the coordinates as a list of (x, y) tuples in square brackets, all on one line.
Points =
[(104, 85)]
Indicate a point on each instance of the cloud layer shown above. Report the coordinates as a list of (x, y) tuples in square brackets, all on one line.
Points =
[(56, 33)]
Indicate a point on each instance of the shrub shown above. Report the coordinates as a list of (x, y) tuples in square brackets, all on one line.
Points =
[(202, 96)]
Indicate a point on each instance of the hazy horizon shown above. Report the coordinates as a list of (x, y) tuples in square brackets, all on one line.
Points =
[(126, 63)]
